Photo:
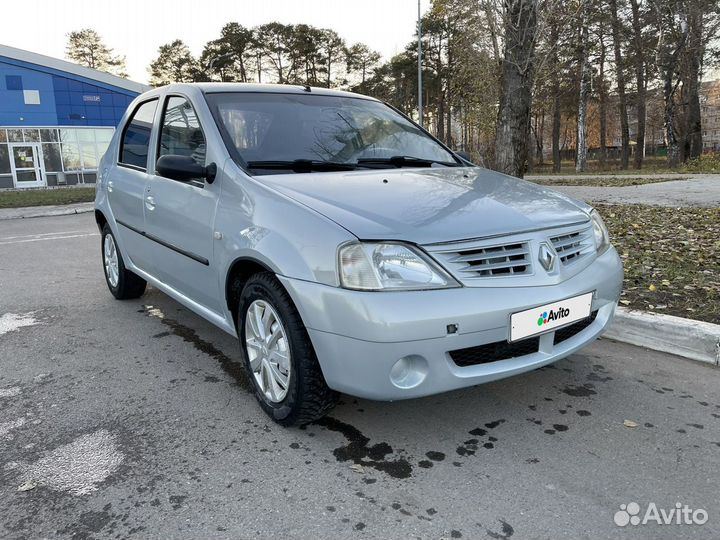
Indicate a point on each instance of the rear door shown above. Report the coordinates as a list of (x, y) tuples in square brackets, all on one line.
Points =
[(182, 214), (127, 184)]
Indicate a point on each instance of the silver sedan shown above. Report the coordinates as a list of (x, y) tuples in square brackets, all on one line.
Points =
[(346, 248)]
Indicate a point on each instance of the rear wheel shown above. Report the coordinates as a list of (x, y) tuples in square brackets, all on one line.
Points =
[(279, 356), (123, 284)]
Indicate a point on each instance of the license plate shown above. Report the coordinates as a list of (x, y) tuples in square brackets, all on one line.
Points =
[(541, 319)]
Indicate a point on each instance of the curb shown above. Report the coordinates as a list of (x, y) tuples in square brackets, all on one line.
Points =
[(696, 340), (45, 211)]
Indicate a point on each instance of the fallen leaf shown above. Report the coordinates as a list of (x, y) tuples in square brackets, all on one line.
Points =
[(357, 468), (630, 423), (27, 486), (652, 287), (625, 302)]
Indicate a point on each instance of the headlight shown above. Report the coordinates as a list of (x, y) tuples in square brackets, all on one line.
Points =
[(388, 265), (600, 232)]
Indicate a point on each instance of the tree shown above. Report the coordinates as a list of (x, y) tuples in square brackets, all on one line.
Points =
[(332, 54), (556, 81), (87, 48), (361, 60), (517, 76), (274, 45), (602, 90), (174, 64), (672, 28), (617, 36), (230, 56), (638, 49), (306, 54), (584, 61), (703, 27)]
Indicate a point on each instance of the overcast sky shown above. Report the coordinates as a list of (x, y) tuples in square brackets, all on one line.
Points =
[(136, 28)]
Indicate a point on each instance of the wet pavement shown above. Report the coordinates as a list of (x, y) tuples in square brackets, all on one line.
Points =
[(133, 420)]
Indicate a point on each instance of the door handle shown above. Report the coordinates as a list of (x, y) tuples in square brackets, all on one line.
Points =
[(110, 186), (150, 202)]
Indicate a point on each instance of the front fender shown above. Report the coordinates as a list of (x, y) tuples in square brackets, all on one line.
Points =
[(257, 223)]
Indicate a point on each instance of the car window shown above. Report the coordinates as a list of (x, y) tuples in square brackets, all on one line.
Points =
[(136, 138), (181, 133), (274, 126)]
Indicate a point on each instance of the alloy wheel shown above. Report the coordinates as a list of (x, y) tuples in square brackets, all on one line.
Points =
[(268, 350), (110, 256)]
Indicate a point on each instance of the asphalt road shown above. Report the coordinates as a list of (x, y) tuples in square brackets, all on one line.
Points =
[(133, 420), (702, 190)]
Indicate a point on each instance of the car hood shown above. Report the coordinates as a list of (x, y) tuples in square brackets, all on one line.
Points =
[(429, 205)]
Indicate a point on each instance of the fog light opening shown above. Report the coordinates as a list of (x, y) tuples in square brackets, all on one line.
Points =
[(409, 371)]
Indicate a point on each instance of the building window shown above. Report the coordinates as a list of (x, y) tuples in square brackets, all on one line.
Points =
[(74, 151), (14, 135), (13, 82), (4, 159), (52, 157), (48, 135), (31, 135), (32, 97)]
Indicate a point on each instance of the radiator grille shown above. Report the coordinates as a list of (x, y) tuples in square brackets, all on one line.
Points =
[(502, 260), (572, 246)]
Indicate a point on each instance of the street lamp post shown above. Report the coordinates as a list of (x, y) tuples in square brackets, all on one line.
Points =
[(419, 77)]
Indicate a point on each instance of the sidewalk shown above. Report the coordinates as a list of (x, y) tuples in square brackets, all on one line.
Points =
[(43, 211), (701, 190)]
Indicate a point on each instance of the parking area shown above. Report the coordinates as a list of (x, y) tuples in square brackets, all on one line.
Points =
[(133, 419)]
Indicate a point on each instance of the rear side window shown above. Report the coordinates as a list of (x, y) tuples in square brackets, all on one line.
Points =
[(136, 138), (181, 134)]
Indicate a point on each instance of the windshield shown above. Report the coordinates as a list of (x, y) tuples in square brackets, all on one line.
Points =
[(273, 132)]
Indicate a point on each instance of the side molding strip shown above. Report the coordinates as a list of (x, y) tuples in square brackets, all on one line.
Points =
[(181, 251)]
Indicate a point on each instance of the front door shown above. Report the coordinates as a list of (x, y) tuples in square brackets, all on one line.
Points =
[(26, 164), (180, 216)]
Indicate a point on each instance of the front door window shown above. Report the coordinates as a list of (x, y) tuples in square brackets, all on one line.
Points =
[(26, 163)]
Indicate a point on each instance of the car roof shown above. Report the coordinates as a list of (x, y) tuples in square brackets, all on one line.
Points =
[(214, 88)]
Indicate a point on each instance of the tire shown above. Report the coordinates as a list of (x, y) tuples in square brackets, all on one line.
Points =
[(304, 397), (123, 284)]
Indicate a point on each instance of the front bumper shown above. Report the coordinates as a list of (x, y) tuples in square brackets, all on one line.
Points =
[(395, 345)]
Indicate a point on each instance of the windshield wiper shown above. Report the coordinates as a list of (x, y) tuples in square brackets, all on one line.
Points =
[(301, 165), (404, 161)]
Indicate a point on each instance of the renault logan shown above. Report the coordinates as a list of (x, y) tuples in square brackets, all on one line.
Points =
[(346, 248)]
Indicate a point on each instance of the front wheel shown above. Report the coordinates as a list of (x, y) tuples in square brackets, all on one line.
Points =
[(123, 284), (279, 356)]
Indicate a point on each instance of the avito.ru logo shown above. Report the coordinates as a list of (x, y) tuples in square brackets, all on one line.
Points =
[(550, 316), (630, 514)]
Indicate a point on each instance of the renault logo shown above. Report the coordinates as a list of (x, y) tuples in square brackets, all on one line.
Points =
[(547, 256)]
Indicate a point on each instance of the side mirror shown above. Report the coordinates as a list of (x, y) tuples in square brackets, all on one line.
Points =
[(464, 156), (184, 169)]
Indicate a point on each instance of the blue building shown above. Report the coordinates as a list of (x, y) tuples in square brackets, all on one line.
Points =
[(56, 118)]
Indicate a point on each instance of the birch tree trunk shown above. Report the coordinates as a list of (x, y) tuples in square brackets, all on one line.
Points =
[(620, 76), (669, 64), (555, 67), (695, 52), (602, 101), (640, 84), (581, 158), (517, 74)]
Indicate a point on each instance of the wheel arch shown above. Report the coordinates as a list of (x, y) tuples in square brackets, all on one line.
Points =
[(100, 219), (239, 271)]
